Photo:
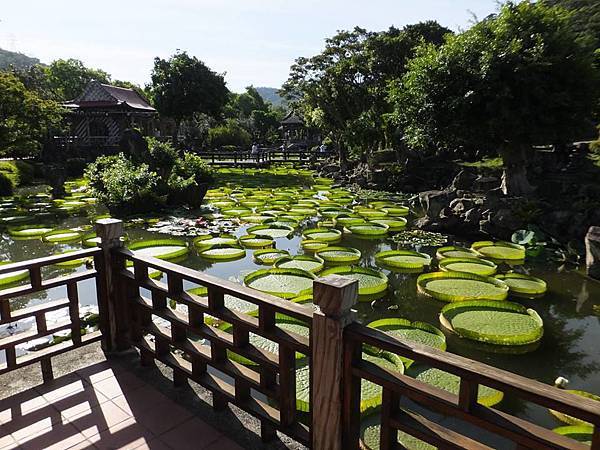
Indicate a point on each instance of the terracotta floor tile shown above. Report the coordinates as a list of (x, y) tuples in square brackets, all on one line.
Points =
[(79, 402), (162, 417), (139, 400), (224, 443), (7, 442), (99, 418), (36, 420), (99, 372), (56, 437), (154, 444), (118, 385), (125, 435), (62, 388), (32, 428), (193, 435), (21, 404)]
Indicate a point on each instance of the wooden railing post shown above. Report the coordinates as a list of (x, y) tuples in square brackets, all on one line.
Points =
[(113, 320), (334, 296)]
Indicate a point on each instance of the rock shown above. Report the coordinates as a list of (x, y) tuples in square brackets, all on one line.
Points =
[(460, 205), (472, 216), (484, 184), (434, 201), (463, 180), (592, 252)]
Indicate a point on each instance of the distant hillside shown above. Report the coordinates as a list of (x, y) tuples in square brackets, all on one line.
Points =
[(270, 94), (17, 60)]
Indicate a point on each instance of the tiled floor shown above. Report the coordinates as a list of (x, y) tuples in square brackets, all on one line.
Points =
[(105, 407)]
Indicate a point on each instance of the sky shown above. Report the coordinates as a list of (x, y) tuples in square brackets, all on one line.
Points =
[(253, 42)]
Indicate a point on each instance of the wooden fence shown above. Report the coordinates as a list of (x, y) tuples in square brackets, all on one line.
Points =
[(136, 311), (264, 157)]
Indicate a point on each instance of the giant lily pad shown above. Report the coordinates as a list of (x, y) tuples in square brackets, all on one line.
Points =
[(574, 420), (223, 252), (254, 241), (345, 220), (268, 256), (581, 433), (486, 396), (285, 283), (206, 240), (501, 251), (499, 323), (304, 262), (12, 277), (370, 282), (469, 265), (368, 230), (461, 286), (271, 230), (328, 235), (396, 224), (166, 249), (402, 259), (56, 236), (396, 211), (29, 231), (452, 251), (525, 286), (371, 435), (339, 255), (310, 245)]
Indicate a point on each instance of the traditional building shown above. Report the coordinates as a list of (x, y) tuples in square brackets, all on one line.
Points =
[(292, 128), (102, 112)]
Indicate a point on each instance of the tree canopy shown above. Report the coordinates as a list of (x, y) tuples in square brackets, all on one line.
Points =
[(514, 80), (67, 78)]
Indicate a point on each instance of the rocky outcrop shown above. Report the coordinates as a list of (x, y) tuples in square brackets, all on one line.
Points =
[(592, 252)]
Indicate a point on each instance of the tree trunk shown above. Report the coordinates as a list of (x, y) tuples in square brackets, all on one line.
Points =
[(176, 132), (343, 156), (514, 178)]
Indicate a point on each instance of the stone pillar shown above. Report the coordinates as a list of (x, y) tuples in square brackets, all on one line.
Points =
[(592, 252)]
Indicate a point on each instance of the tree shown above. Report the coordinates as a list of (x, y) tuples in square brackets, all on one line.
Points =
[(69, 77), (25, 117), (511, 81), (183, 86), (585, 18)]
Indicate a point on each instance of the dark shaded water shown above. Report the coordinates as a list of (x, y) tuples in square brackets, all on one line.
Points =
[(570, 346)]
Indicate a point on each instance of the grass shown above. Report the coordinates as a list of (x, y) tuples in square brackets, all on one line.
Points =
[(19, 172), (485, 163)]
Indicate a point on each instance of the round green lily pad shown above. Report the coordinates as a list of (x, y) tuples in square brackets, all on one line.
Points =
[(502, 251), (370, 437), (402, 259), (268, 256), (345, 220), (452, 251), (309, 263), (166, 249), (396, 224), (73, 262), (370, 214), (370, 229), (499, 323), (574, 420), (67, 235), (581, 433), (206, 240), (29, 231), (397, 211), (254, 241), (90, 240), (339, 255), (328, 235), (486, 396), (236, 212), (469, 265), (310, 245), (285, 283), (370, 282), (525, 286), (12, 277), (223, 252), (461, 286), (271, 230)]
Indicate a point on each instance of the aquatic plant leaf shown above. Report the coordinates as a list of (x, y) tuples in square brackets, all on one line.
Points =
[(461, 286)]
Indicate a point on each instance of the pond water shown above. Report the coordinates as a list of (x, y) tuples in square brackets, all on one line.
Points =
[(570, 346)]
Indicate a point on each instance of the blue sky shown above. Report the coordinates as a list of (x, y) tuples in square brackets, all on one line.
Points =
[(253, 41)]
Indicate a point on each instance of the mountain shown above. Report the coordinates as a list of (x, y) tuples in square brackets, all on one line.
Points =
[(17, 60), (271, 95)]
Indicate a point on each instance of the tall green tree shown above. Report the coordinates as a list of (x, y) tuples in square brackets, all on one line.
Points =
[(183, 86), (512, 81), (25, 118), (68, 78), (585, 18)]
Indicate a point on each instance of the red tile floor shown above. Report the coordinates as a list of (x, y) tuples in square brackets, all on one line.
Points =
[(106, 407)]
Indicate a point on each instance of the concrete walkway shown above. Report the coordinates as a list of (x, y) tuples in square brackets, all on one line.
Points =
[(102, 406)]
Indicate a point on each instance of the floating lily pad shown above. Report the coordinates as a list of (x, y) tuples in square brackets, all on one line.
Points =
[(499, 323), (285, 283), (339, 255), (469, 265), (501, 251), (461, 286), (452, 251), (309, 263), (371, 435), (223, 252), (374, 230), (271, 230), (397, 211), (90, 240), (206, 240), (347, 220), (254, 241), (12, 277), (236, 212), (370, 282), (269, 256), (396, 224), (486, 396), (73, 262), (370, 214), (574, 420), (29, 231), (402, 259), (61, 236), (581, 433), (310, 245), (525, 286), (166, 249), (329, 235)]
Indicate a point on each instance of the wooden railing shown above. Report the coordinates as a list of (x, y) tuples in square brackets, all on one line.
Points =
[(136, 310), (264, 156), (37, 283)]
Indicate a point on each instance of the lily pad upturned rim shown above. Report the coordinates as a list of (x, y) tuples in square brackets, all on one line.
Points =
[(570, 420), (274, 271), (240, 253), (350, 259), (289, 258), (492, 267), (75, 236), (524, 292), (13, 277), (312, 231), (375, 229), (255, 228), (394, 223), (199, 243), (449, 248), (266, 241), (571, 430), (311, 245), (380, 259), (344, 270), (426, 277), (477, 246), (19, 231), (265, 251), (523, 339), (148, 243)]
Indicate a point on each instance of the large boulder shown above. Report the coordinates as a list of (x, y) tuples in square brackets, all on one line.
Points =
[(433, 202), (592, 252)]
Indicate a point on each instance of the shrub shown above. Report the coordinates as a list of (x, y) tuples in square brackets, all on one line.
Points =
[(19, 172), (192, 166), (6, 184), (75, 166), (162, 157), (229, 134), (229, 148)]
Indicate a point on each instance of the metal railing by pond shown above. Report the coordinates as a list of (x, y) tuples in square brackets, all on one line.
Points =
[(136, 310)]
